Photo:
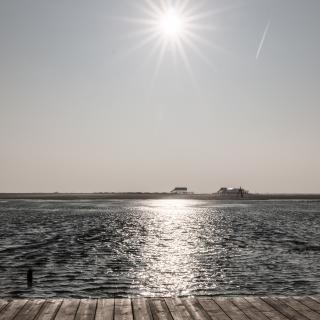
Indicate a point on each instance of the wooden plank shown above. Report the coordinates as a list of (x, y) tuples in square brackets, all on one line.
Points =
[(87, 309), (301, 308), (230, 309), (294, 304), (159, 309), (49, 310), (177, 309), (30, 310), (248, 309), (266, 309), (284, 309), (141, 309), (123, 309), (275, 315), (10, 311), (237, 308), (212, 309), (195, 309), (259, 304), (3, 303), (105, 309), (311, 303), (315, 298), (68, 309), (241, 303)]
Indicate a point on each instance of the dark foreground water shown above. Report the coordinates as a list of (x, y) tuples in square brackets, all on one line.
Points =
[(160, 247)]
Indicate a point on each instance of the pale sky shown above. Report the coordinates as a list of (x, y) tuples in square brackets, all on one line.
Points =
[(85, 108)]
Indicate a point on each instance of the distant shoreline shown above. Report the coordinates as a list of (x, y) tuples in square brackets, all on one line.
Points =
[(151, 196)]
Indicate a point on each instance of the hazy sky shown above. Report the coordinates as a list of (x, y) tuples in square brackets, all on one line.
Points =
[(85, 107)]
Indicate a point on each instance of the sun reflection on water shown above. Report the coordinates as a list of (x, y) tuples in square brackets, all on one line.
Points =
[(159, 248), (171, 265)]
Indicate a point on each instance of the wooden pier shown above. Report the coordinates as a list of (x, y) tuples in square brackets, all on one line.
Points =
[(235, 308)]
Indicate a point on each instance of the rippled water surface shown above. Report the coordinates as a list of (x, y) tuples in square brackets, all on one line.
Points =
[(159, 247)]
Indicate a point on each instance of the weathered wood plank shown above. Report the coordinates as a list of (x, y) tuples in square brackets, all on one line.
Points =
[(230, 309), (30, 310), (294, 304), (123, 309), (177, 309), (275, 315), (248, 309), (316, 298), (265, 308), (10, 311), (105, 309), (309, 302), (284, 309), (259, 304), (159, 309), (141, 309), (87, 309), (68, 309), (195, 309), (212, 309), (234, 308), (241, 303), (301, 308), (49, 310), (3, 303)]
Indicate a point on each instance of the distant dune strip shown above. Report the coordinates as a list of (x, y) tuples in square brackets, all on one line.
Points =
[(146, 196)]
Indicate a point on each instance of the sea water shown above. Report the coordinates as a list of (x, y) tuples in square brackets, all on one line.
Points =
[(133, 248)]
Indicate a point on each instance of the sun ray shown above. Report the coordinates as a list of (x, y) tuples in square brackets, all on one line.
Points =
[(154, 9), (186, 62), (163, 48), (204, 42), (181, 27), (140, 45), (183, 5), (136, 21), (198, 52), (210, 14)]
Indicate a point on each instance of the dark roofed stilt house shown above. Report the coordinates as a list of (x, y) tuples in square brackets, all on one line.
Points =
[(233, 192), (179, 190)]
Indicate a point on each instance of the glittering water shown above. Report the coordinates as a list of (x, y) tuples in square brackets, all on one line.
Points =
[(159, 247)]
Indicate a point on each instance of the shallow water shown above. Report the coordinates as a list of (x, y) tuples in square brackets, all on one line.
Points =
[(159, 247)]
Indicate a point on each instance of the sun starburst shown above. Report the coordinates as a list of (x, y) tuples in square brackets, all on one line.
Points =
[(175, 26), (172, 24)]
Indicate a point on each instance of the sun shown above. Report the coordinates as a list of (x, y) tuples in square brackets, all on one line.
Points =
[(176, 29), (172, 24)]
